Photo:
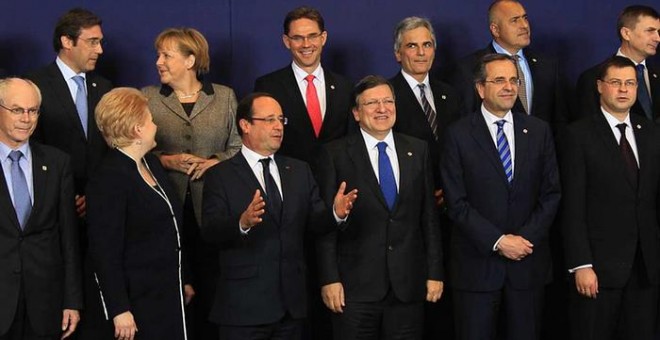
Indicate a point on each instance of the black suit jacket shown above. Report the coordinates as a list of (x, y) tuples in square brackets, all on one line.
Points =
[(43, 260), (59, 124), (484, 206), (606, 217), (377, 249), (263, 273), (548, 101), (589, 98), (411, 119), (299, 139)]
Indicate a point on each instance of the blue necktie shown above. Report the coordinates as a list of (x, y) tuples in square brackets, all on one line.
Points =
[(22, 203), (273, 198), (643, 96), (81, 101), (386, 175), (504, 151)]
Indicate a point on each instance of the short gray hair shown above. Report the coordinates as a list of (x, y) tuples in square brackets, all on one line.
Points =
[(408, 24), (5, 83)]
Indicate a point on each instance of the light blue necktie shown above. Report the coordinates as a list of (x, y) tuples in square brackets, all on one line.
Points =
[(504, 151), (643, 96), (81, 101), (22, 203), (386, 175)]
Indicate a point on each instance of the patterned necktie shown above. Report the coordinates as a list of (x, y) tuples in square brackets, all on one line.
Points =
[(627, 154), (643, 96), (522, 89), (273, 198), (431, 117), (504, 151), (386, 175), (22, 203), (313, 106), (81, 101)]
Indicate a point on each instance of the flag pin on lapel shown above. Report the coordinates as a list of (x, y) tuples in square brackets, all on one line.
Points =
[(639, 126), (332, 87), (409, 154), (524, 130), (444, 97), (93, 84), (534, 59), (655, 75), (44, 168)]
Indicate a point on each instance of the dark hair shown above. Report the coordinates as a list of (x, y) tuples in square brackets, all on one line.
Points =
[(245, 108), (615, 61), (303, 12), (71, 23), (631, 14), (366, 83), (480, 70)]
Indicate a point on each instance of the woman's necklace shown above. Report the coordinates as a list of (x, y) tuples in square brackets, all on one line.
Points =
[(186, 95)]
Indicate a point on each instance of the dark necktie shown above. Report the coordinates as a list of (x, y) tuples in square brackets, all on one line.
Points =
[(627, 154), (313, 105), (431, 117), (22, 203), (643, 96), (81, 102), (504, 151), (522, 89), (386, 176), (273, 198)]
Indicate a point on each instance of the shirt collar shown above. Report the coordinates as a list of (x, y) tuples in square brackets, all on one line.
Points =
[(371, 142), (5, 150), (412, 82), (499, 49), (300, 74), (67, 72), (612, 121), (620, 54), (491, 118), (252, 157)]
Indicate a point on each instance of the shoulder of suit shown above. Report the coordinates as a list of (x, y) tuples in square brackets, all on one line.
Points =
[(401, 137), (277, 74), (222, 90)]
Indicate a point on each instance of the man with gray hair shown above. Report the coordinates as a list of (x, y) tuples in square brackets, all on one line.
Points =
[(40, 272)]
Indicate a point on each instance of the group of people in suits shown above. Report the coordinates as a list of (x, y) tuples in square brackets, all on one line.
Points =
[(314, 208)]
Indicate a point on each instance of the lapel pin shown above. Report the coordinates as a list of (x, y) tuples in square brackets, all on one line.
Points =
[(533, 59), (409, 154), (44, 168), (287, 167), (524, 130), (655, 75), (332, 87), (443, 97), (93, 84), (639, 126)]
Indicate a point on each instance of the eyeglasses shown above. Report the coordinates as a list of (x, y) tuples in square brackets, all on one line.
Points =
[(299, 39), (618, 83), (373, 103), (272, 120), (19, 111), (502, 81), (93, 42)]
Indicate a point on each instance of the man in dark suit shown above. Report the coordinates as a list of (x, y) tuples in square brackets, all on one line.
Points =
[(542, 94), (256, 207), (378, 269), (639, 31), (611, 178), (502, 187), (40, 283), (67, 122), (425, 117), (318, 110)]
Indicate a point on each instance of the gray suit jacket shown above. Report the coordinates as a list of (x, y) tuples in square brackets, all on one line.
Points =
[(210, 131)]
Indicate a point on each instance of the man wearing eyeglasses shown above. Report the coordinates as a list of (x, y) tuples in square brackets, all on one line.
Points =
[(610, 173), (257, 207), (639, 32), (502, 189), (541, 93), (385, 259), (40, 269), (314, 99), (70, 91)]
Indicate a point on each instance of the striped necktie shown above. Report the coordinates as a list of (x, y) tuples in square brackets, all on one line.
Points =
[(504, 151)]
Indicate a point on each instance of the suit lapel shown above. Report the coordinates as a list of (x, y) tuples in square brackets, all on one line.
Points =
[(6, 206), (357, 152), (640, 130), (40, 174), (287, 180), (611, 144), (172, 102), (405, 155), (482, 136), (654, 80), (534, 66), (299, 110), (521, 144), (330, 86), (203, 101)]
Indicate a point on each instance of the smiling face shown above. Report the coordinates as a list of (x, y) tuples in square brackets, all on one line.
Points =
[(498, 99), (618, 100), (82, 54), (509, 26), (305, 41), (172, 65), (263, 137), (15, 130), (375, 111), (416, 52)]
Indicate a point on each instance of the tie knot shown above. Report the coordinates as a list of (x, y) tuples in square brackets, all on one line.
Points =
[(640, 68), (421, 86), (381, 146), (310, 78), (80, 81), (15, 155), (500, 123), (622, 127), (265, 162)]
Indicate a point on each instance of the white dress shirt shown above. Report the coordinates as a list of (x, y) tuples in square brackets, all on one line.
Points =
[(372, 151), (414, 86), (319, 83), (68, 75)]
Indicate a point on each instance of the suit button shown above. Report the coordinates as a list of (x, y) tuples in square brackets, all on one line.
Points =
[(187, 123), (187, 137), (188, 151), (390, 248)]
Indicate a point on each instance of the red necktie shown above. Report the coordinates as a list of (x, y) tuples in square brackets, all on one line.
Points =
[(313, 106)]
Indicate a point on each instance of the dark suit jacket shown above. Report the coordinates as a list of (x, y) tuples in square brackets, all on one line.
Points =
[(548, 101), (605, 217), (377, 249), (299, 139), (589, 99), (411, 119), (484, 206), (43, 260), (59, 124), (263, 273)]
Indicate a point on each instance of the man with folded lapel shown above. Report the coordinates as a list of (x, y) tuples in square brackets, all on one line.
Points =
[(257, 206), (318, 111), (385, 260), (502, 187), (611, 179), (40, 282)]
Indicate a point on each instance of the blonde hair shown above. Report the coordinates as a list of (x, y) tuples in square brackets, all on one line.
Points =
[(188, 41), (118, 113)]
